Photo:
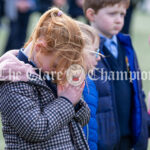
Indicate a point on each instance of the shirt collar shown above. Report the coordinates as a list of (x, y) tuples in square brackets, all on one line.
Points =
[(108, 40)]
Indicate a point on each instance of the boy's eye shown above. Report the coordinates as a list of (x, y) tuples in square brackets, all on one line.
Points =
[(112, 14), (122, 14)]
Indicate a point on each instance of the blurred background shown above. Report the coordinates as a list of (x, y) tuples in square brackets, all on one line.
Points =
[(18, 18)]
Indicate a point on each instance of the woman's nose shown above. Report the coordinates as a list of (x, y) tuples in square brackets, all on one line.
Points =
[(98, 58)]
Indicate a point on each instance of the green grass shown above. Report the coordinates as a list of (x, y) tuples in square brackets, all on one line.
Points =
[(140, 33)]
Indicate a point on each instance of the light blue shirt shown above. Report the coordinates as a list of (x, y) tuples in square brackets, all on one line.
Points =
[(111, 45)]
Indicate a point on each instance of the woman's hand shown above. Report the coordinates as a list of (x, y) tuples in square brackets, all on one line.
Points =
[(72, 93)]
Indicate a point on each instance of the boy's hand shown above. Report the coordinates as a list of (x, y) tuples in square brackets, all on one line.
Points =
[(72, 93)]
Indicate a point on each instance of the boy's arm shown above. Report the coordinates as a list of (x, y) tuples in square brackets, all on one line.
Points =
[(140, 80), (147, 113)]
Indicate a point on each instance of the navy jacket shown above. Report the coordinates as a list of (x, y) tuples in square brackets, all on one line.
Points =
[(106, 115)]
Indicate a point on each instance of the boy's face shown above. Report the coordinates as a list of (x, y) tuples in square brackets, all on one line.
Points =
[(110, 20)]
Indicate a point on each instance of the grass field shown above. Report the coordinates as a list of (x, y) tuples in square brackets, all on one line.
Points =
[(140, 33)]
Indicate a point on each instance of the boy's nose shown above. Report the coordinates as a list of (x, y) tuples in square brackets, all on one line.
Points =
[(119, 19)]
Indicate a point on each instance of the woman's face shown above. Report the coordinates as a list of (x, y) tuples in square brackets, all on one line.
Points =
[(43, 61)]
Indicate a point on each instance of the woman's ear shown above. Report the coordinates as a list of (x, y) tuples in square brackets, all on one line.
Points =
[(90, 14), (40, 44)]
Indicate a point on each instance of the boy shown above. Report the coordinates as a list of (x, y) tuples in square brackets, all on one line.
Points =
[(121, 111)]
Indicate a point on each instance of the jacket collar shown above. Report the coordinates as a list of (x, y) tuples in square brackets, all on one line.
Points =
[(124, 39)]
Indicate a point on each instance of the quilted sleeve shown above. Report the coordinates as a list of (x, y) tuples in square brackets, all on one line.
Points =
[(83, 113)]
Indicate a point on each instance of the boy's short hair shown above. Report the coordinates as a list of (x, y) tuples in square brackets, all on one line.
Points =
[(98, 4)]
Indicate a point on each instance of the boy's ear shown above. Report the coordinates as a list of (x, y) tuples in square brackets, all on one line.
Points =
[(90, 14)]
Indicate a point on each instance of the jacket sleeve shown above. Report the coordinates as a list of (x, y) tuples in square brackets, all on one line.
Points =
[(90, 95), (83, 113), (146, 115), (140, 77), (26, 116)]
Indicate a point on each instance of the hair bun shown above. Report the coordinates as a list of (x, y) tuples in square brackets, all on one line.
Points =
[(59, 13)]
